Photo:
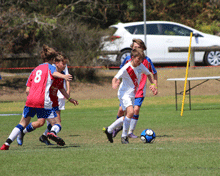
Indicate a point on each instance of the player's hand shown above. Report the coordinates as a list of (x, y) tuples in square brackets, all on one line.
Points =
[(75, 102), (155, 92), (116, 84), (68, 77)]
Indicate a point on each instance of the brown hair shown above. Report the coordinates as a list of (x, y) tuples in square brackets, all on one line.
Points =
[(139, 42), (137, 52), (48, 54), (60, 57)]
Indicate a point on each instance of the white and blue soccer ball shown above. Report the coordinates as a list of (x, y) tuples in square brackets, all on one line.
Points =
[(148, 136)]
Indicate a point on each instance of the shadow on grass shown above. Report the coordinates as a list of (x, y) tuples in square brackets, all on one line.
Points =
[(62, 147), (165, 136)]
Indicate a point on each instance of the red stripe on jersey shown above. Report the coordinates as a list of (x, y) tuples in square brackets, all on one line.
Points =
[(133, 77)]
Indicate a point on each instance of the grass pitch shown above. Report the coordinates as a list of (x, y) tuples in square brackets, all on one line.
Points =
[(187, 145)]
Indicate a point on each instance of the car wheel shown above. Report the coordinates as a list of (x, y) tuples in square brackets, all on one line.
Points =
[(212, 58), (121, 57)]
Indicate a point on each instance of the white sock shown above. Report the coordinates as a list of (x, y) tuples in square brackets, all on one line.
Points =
[(132, 125), (115, 124), (126, 124), (56, 128), (16, 131)]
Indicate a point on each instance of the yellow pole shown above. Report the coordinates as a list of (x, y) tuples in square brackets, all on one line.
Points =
[(187, 67)]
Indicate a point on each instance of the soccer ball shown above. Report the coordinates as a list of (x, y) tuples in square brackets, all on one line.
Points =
[(148, 136)]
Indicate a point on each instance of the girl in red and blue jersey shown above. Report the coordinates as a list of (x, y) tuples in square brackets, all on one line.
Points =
[(38, 100)]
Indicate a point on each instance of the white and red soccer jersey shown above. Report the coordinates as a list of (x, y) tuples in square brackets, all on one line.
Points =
[(57, 84), (59, 94), (130, 79), (142, 86), (40, 81)]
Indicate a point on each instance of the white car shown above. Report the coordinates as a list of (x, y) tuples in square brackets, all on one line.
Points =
[(160, 36)]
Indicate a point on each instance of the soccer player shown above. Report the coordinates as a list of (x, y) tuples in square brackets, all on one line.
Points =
[(141, 93), (38, 100), (60, 62), (61, 100), (131, 75)]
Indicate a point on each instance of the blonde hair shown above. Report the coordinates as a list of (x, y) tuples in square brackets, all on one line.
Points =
[(139, 42), (137, 52), (48, 54)]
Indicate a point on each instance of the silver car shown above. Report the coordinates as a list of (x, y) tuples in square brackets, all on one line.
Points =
[(160, 36)]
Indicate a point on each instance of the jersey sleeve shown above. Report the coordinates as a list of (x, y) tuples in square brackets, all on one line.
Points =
[(144, 69), (153, 69), (52, 68), (120, 73)]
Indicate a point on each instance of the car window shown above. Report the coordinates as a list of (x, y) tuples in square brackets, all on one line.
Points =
[(160, 29), (171, 29), (152, 29)]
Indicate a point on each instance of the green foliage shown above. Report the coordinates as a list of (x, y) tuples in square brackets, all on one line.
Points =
[(75, 27)]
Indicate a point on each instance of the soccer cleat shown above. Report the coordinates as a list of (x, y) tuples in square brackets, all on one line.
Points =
[(20, 139), (55, 138), (115, 131), (109, 135), (131, 135), (124, 140), (5, 147), (44, 139)]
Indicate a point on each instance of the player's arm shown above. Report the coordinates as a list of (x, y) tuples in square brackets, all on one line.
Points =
[(68, 87), (115, 83), (147, 72), (67, 77), (63, 91), (66, 71), (27, 90)]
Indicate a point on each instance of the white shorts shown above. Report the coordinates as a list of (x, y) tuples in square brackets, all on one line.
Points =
[(61, 103), (125, 102)]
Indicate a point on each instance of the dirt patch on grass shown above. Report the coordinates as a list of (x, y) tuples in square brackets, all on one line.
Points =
[(14, 90)]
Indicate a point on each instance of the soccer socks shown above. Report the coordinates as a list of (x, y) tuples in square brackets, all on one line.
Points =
[(28, 129), (56, 128), (133, 123), (49, 126), (16, 131), (126, 124), (115, 124)]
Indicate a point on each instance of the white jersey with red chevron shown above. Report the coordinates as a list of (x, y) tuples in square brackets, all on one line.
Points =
[(40, 81), (130, 79)]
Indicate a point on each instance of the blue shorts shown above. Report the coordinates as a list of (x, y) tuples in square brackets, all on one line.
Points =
[(56, 108), (138, 101), (41, 112)]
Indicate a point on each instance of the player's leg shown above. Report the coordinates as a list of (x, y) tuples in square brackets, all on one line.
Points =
[(126, 124), (43, 138), (56, 128), (41, 115), (16, 131), (119, 128), (110, 129), (137, 105)]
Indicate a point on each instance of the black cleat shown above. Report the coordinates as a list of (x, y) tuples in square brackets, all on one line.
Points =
[(124, 140), (109, 135), (44, 139), (55, 138)]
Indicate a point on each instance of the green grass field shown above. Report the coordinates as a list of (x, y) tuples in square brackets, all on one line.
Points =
[(187, 145)]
